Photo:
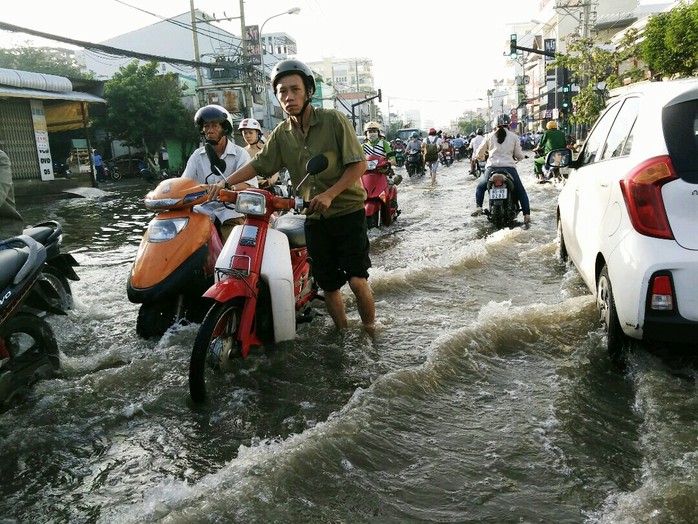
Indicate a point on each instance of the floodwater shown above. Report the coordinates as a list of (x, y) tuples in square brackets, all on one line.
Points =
[(486, 395)]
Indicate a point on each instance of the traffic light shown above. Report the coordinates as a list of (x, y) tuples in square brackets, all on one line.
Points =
[(565, 104), (566, 88), (512, 46)]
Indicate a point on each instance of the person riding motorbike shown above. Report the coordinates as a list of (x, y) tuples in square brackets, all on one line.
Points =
[(415, 144), (375, 145), (216, 125), (553, 138), (335, 227), (475, 142), (252, 135), (504, 149)]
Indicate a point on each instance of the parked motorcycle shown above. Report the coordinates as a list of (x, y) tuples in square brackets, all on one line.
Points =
[(503, 202), (414, 163), (263, 285), (28, 347), (381, 192), (112, 170), (175, 262)]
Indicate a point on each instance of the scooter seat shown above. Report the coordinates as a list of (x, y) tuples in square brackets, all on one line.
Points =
[(11, 261), (293, 226), (47, 235)]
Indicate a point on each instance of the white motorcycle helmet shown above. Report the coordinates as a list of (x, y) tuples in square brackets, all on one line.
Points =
[(249, 123)]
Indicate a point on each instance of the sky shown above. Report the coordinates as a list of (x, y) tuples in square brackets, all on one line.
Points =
[(438, 57)]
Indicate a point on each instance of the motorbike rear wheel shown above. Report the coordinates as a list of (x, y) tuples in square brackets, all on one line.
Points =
[(215, 350), (62, 286), (114, 173)]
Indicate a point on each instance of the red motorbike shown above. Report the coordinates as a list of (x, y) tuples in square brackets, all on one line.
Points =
[(263, 285), (381, 192)]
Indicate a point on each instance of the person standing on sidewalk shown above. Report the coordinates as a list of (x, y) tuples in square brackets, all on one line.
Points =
[(11, 222)]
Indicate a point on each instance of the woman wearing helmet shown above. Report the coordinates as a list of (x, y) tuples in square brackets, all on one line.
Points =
[(504, 149), (252, 135), (216, 126), (374, 144), (335, 227)]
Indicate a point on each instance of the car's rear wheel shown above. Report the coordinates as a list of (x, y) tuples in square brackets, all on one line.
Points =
[(616, 340)]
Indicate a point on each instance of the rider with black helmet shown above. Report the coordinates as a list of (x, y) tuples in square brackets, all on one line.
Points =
[(336, 222), (216, 126)]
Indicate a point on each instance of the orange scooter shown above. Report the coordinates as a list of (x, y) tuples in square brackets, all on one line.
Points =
[(176, 259)]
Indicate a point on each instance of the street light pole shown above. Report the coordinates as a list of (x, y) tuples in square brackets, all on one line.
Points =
[(265, 98)]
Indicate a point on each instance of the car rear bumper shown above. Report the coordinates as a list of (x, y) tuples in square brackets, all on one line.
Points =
[(631, 267), (670, 328)]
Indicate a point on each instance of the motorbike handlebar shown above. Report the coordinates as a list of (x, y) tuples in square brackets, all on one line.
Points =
[(278, 203)]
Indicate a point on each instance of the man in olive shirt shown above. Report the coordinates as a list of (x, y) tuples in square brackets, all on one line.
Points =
[(11, 223), (336, 223)]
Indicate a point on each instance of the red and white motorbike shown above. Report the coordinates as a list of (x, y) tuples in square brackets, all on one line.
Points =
[(263, 285), (381, 194)]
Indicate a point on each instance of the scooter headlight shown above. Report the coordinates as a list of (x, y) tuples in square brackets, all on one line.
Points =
[(249, 203), (164, 230), (371, 165)]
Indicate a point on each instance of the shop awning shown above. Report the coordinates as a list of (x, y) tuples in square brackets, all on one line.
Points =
[(76, 96)]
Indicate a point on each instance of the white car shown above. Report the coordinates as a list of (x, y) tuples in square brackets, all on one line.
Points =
[(628, 213)]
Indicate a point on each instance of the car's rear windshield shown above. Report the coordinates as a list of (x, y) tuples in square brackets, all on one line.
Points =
[(680, 123)]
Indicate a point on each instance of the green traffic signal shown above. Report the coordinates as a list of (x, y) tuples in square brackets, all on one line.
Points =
[(512, 46)]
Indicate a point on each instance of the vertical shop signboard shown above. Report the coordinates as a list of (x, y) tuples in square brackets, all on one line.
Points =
[(41, 136)]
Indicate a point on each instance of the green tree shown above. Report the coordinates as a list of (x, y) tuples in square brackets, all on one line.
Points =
[(595, 69), (670, 45), (470, 125), (391, 130), (145, 107), (42, 60)]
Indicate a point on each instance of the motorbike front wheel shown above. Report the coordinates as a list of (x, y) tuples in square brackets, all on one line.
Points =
[(154, 318), (216, 348), (32, 350)]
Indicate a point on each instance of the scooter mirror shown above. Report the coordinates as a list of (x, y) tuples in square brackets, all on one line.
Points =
[(217, 163), (316, 165)]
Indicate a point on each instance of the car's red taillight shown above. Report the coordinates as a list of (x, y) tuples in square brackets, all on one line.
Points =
[(661, 295), (642, 190)]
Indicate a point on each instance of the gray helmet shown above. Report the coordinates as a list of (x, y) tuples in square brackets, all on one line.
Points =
[(214, 113), (289, 67), (503, 120)]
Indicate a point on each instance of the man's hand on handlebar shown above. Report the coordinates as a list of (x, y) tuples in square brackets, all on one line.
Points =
[(214, 189)]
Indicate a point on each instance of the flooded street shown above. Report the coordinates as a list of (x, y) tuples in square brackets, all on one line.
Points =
[(486, 396)]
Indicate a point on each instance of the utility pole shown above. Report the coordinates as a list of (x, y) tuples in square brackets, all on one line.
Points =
[(247, 89), (197, 57)]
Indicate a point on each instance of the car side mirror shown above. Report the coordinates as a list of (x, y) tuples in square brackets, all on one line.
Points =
[(559, 158)]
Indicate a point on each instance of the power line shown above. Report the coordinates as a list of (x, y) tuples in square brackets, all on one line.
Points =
[(111, 50)]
